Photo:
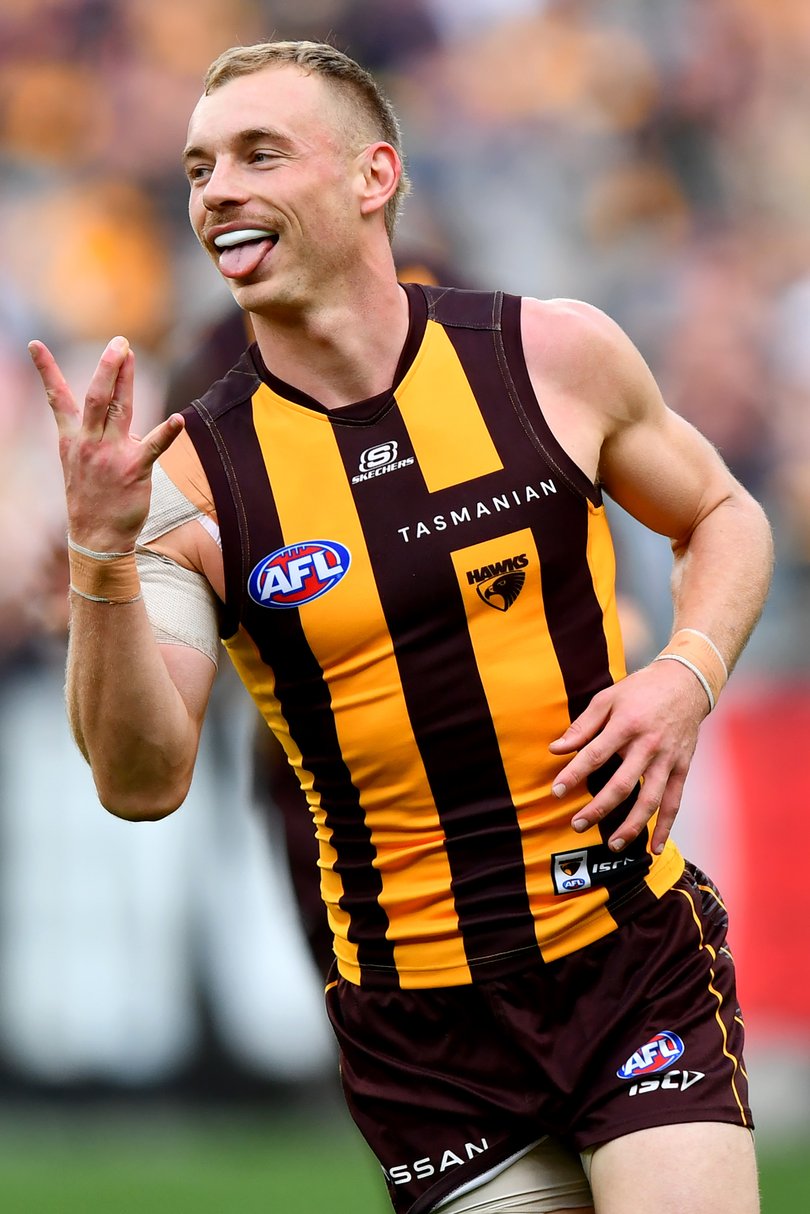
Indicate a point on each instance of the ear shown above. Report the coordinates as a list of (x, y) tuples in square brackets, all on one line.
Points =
[(379, 169)]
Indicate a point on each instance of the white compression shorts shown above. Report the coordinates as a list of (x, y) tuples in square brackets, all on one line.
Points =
[(180, 603), (544, 1179)]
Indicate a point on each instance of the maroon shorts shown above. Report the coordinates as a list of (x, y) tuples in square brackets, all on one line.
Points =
[(640, 1029)]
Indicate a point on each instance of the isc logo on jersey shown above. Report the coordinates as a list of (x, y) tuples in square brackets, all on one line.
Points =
[(661, 1051), (299, 573)]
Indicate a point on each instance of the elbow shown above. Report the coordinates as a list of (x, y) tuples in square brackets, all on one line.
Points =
[(738, 518), (754, 527), (137, 811), (142, 803)]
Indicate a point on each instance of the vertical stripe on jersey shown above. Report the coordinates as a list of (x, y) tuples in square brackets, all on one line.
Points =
[(588, 651), (517, 664), (304, 696), (256, 674), (446, 702), (601, 561), (532, 677), (602, 564), (364, 677), (448, 407)]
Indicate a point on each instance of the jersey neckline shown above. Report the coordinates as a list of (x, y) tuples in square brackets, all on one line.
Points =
[(372, 407)]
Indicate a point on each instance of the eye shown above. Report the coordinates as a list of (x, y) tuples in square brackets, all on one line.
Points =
[(197, 172), (263, 157)]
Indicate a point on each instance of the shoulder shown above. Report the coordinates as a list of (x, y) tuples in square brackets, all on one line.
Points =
[(233, 389), (182, 466), (576, 349)]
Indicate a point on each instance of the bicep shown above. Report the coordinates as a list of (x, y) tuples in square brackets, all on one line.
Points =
[(605, 408), (661, 469)]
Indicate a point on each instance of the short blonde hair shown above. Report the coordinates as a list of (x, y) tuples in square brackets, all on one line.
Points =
[(352, 81)]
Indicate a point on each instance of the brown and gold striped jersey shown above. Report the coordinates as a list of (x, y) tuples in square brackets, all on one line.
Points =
[(420, 597)]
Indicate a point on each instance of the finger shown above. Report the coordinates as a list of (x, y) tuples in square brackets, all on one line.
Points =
[(102, 387), (646, 804), (589, 759), (60, 398), (119, 410), (611, 796), (668, 811), (583, 728), (617, 789), (161, 438)]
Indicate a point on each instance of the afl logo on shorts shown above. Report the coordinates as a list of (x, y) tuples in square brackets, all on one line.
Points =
[(661, 1051), (299, 573)]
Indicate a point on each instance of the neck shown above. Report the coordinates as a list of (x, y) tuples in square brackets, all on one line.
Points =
[(339, 350)]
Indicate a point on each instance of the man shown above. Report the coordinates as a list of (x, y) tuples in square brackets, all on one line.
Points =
[(392, 507)]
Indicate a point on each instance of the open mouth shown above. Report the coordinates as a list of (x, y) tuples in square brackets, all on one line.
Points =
[(241, 251)]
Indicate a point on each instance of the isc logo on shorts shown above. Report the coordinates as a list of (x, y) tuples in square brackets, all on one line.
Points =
[(299, 573), (661, 1051), (673, 1081)]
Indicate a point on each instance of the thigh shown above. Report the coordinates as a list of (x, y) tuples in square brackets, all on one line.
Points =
[(548, 1179), (669, 1169)]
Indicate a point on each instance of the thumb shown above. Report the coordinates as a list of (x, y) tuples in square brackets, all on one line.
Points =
[(161, 438)]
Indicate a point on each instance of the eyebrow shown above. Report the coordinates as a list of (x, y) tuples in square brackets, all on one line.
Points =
[(244, 138)]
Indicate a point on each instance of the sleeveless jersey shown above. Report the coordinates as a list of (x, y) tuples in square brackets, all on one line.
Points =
[(420, 598)]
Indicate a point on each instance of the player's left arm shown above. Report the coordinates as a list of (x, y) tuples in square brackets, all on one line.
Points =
[(665, 473)]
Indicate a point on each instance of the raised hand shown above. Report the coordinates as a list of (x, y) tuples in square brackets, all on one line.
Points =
[(107, 469)]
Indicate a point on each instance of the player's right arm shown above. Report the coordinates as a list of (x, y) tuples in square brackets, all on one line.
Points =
[(136, 708)]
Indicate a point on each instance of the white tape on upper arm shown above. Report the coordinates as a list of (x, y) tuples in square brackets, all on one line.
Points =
[(182, 607)]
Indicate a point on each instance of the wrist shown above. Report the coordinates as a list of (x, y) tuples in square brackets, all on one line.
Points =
[(93, 554), (699, 654), (103, 577)]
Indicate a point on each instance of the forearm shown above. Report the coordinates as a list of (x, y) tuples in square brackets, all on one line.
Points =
[(136, 710), (126, 712), (722, 574)]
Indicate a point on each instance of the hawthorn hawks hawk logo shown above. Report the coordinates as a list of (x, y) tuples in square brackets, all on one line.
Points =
[(503, 591), (499, 584)]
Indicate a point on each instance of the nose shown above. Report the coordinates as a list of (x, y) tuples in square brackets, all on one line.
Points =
[(225, 187)]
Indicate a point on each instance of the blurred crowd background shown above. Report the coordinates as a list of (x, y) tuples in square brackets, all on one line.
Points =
[(651, 158)]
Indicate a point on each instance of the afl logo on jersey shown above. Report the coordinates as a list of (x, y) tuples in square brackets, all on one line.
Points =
[(299, 573)]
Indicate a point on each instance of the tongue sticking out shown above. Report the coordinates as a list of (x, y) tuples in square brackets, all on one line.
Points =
[(243, 259)]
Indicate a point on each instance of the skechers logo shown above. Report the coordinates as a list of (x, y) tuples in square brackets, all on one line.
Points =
[(298, 574), (499, 584), (377, 461), (661, 1051)]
